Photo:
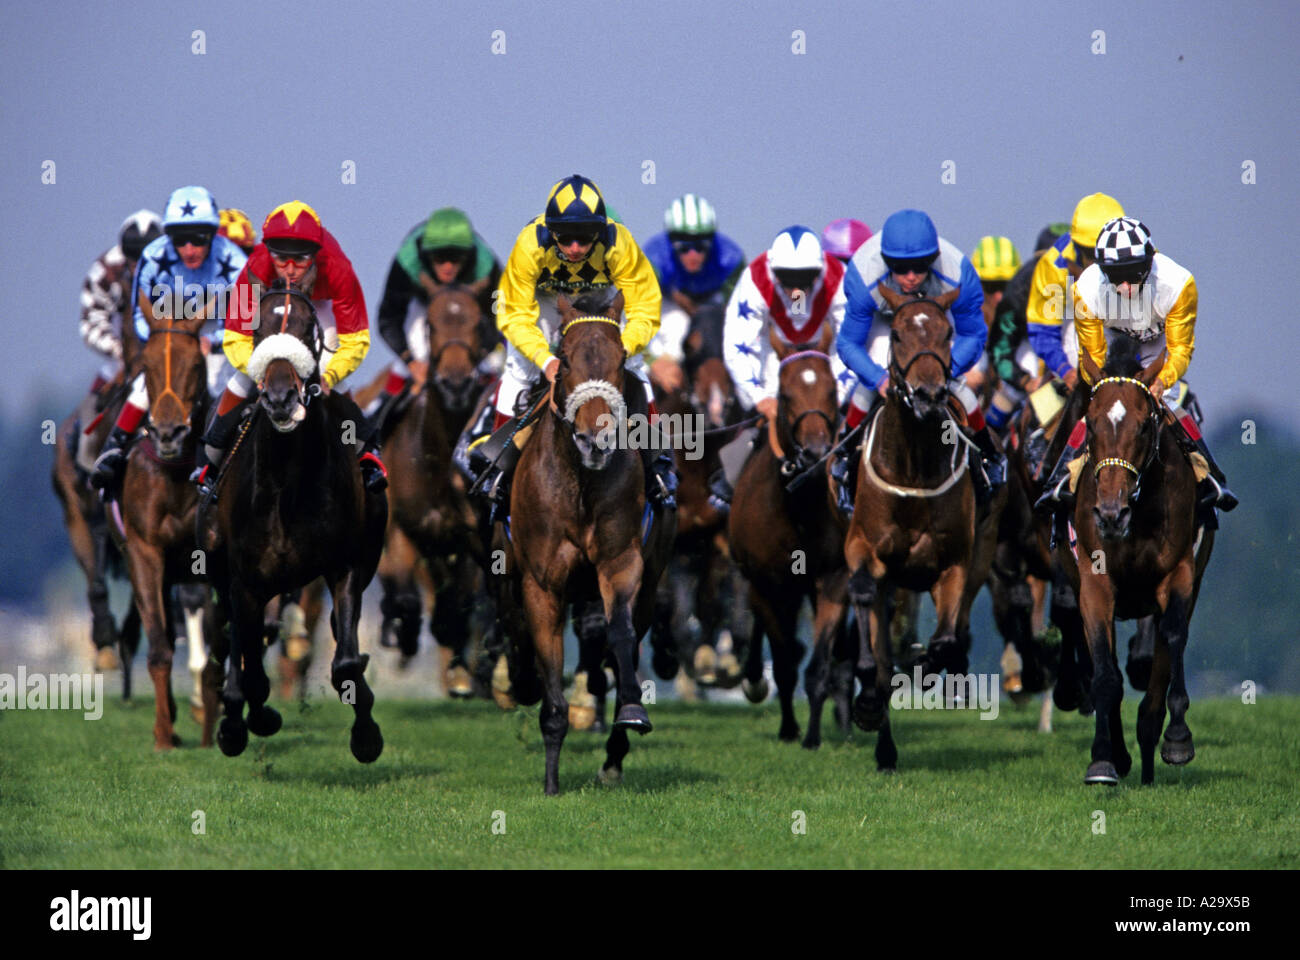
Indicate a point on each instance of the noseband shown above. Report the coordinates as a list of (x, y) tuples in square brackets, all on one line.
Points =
[(590, 390), (315, 345), (802, 459), (1154, 417)]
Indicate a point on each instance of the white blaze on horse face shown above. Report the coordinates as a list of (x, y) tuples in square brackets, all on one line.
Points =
[(1116, 415), (280, 310), (919, 319), (809, 377)]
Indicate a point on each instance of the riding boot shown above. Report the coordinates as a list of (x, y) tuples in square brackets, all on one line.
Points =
[(844, 472), (211, 452), (491, 461), (1213, 490), (1055, 490), (661, 478), (994, 461), (473, 435), (733, 456), (388, 402), (111, 463), (373, 472)]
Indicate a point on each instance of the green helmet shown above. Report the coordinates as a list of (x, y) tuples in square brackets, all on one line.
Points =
[(691, 215), (447, 228)]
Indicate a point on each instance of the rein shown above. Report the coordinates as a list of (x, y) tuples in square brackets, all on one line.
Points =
[(957, 468), (898, 375), (167, 364)]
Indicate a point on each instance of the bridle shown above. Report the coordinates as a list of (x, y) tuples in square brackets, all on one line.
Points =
[(1153, 418), (304, 390), (898, 375), (802, 459), (167, 375), (588, 390)]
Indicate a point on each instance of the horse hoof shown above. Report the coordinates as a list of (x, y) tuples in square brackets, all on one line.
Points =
[(367, 742), (610, 777), (756, 692), (459, 684), (810, 744), (264, 722), (869, 712), (501, 693), (1177, 752), (706, 665), (1012, 684), (232, 737), (789, 734), (688, 691), (106, 659), (665, 664), (581, 717), (1103, 772), (196, 712), (633, 716), (1139, 672), (729, 671)]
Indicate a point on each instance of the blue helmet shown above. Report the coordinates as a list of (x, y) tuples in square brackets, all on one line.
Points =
[(575, 202), (909, 235), (191, 207)]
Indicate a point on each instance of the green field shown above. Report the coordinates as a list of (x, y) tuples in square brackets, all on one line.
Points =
[(711, 787)]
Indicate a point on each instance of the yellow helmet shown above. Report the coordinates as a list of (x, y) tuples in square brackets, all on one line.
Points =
[(1093, 212), (995, 259), (236, 225)]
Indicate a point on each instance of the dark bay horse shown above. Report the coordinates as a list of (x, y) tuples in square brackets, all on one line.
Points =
[(577, 515), (291, 506), (431, 518), (1140, 552), (790, 545), (158, 506), (914, 514)]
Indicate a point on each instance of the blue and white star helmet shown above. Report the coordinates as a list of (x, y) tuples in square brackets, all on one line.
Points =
[(1124, 241), (191, 207)]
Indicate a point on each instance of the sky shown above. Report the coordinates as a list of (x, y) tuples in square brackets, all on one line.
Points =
[(1016, 102)]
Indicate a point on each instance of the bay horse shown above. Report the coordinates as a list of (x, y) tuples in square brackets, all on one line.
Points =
[(578, 532), (158, 507), (430, 515), (1140, 552), (291, 506), (790, 545), (913, 522)]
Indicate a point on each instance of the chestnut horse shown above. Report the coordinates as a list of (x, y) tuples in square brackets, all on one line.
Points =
[(577, 515), (1140, 553), (790, 545), (291, 506), (913, 522)]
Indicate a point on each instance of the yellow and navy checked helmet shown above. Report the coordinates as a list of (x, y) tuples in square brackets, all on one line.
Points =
[(575, 202), (995, 259)]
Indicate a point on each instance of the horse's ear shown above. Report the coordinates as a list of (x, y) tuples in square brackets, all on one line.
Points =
[(1151, 372), (308, 279), (564, 305), (429, 284), (615, 309), (479, 286), (892, 297), (1088, 367), (946, 300)]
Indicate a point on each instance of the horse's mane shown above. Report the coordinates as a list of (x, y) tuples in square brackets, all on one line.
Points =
[(1123, 357), (594, 303)]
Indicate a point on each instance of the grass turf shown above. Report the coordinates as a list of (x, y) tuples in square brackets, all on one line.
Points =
[(710, 787)]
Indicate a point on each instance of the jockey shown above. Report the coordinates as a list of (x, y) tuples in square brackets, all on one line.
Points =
[(572, 248), (1131, 290), (909, 256), (105, 301), (236, 225), (1050, 329), (189, 254), (996, 261), (294, 244), (441, 251), (841, 238), (793, 293), (696, 266), (1018, 368)]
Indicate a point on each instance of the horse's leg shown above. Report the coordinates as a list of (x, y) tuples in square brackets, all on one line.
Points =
[(1177, 747), (545, 619), (816, 678), (878, 619), (780, 614), (146, 564), (90, 546), (401, 604), (128, 642), (214, 670), (262, 720), (866, 596), (193, 599), (1151, 711), (755, 684), (945, 649), (1141, 648), (620, 581), (1097, 607), (347, 672), (449, 625), (246, 614)]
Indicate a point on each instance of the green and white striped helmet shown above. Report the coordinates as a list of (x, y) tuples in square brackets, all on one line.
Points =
[(691, 215)]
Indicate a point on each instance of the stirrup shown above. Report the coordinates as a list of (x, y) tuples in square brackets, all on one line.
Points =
[(720, 491), (207, 484)]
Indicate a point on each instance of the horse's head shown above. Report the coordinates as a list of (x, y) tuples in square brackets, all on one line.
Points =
[(455, 347), (286, 354), (920, 351), (175, 374), (589, 384), (1123, 420), (807, 407), (713, 395)]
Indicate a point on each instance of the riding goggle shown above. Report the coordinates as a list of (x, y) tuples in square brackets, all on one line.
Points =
[(697, 244), (796, 279), (196, 238), (447, 254), (909, 265), (285, 257), (569, 239), (1134, 273)]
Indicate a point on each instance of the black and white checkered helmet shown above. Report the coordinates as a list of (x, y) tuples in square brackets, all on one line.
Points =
[(1124, 241)]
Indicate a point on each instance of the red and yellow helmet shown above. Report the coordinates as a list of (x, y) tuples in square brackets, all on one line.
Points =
[(293, 221), (236, 225)]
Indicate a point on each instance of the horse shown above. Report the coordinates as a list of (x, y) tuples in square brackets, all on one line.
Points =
[(158, 505), (291, 506), (789, 544), (430, 515), (580, 529), (1140, 552), (914, 512)]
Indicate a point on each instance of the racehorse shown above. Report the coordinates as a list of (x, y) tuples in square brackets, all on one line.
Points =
[(431, 516), (291, 506), (158, 503), (580, 528), (914, 514), (1139, 553), (790, 544)]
